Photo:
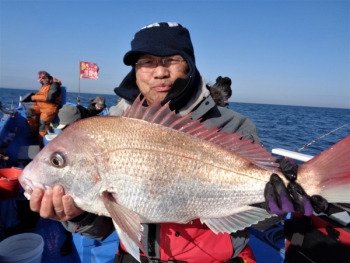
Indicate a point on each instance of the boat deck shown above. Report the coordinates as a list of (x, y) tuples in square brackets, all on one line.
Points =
[(268, 246)]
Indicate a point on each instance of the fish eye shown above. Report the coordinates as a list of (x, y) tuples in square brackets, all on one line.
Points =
[(57, 160)]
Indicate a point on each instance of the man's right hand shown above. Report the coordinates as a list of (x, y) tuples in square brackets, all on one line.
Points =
[(54, 204)]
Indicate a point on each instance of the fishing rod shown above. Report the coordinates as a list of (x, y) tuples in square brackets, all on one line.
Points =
[(78, 98), (6, 110), (319, 138)]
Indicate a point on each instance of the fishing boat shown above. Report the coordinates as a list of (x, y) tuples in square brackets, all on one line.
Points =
[(17, 149)]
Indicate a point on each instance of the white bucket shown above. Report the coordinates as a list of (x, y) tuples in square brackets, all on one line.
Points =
[(50, 137), (22, 248)]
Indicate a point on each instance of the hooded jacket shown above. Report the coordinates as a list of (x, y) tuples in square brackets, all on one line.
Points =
[(202, 106)]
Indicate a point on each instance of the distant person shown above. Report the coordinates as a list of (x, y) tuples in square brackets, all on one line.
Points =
[(67, 115), (46, 104), (221, 91), (97, 105), (71, 113)]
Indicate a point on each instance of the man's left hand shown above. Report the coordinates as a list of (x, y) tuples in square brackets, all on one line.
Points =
[(281, 200)]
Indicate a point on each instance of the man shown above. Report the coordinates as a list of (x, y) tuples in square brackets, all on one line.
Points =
[(46, 104), (68, 114), (97, 105), (163, 66)]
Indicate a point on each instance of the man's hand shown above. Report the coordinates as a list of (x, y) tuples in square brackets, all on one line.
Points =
[(54, 204), (289, 168), (281, 200)]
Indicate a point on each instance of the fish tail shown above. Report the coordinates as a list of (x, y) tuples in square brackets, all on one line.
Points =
[(331, 172)]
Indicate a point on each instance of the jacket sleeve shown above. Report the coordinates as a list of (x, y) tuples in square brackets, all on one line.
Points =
[(84, 112), (248, 129), (121, 106), (52, 95), (232, 122), (99, 228), (54, 92), (38, 98)]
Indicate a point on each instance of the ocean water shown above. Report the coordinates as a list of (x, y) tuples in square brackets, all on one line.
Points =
[(279, 126)]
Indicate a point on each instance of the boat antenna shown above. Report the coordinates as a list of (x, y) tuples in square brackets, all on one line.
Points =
[(12, 106), (78, 97), (319, 138)]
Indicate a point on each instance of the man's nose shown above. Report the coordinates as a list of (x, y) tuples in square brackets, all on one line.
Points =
[(160, 71)]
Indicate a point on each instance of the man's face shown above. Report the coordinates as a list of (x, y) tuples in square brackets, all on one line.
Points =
[(44, 80), (155, 79)]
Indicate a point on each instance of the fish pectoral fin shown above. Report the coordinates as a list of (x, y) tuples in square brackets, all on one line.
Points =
[(244, 217), (127, 224), (129, 244)]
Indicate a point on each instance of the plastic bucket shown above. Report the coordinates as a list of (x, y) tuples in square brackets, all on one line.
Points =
[(57, 131), (9, 185), (22, 248)]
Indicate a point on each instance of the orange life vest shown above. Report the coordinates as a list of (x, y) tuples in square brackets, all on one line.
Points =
[(41, 98)]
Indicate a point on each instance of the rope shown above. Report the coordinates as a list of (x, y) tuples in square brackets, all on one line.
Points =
[(319, 138)]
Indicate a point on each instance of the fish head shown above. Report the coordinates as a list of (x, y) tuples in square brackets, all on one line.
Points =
[(71, 160)]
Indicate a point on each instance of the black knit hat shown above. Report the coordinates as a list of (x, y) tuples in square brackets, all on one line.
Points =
[(162, 39)]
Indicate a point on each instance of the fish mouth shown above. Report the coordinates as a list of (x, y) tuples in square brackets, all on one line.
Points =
[(29, 185)]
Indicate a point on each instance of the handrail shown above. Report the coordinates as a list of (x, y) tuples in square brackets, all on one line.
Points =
[(292, 154)]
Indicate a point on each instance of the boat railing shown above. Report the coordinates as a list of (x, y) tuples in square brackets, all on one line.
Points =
[(291, 154)]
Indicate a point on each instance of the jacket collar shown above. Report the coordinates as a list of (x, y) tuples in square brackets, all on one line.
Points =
[(200, 103)]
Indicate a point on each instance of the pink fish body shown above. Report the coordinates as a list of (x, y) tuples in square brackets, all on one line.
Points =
[(151, 166)]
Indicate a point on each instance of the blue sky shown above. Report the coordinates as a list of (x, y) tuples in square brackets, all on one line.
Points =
[(275, 52)]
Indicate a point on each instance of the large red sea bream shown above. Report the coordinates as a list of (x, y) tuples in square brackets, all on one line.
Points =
[(152, 166)]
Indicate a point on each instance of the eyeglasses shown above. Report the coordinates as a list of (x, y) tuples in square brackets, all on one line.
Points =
[(149, 64)]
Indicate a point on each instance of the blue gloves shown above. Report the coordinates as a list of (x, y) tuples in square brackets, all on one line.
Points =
[(281, 200)]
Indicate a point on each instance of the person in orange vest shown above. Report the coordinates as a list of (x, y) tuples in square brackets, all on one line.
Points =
[(46, 105)]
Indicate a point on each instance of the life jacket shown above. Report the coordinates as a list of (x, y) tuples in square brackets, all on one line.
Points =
[(193, 242), (42, 96)]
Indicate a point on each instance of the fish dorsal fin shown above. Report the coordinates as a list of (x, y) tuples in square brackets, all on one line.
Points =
[(156, 113), (245, 217), (127, 224)]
